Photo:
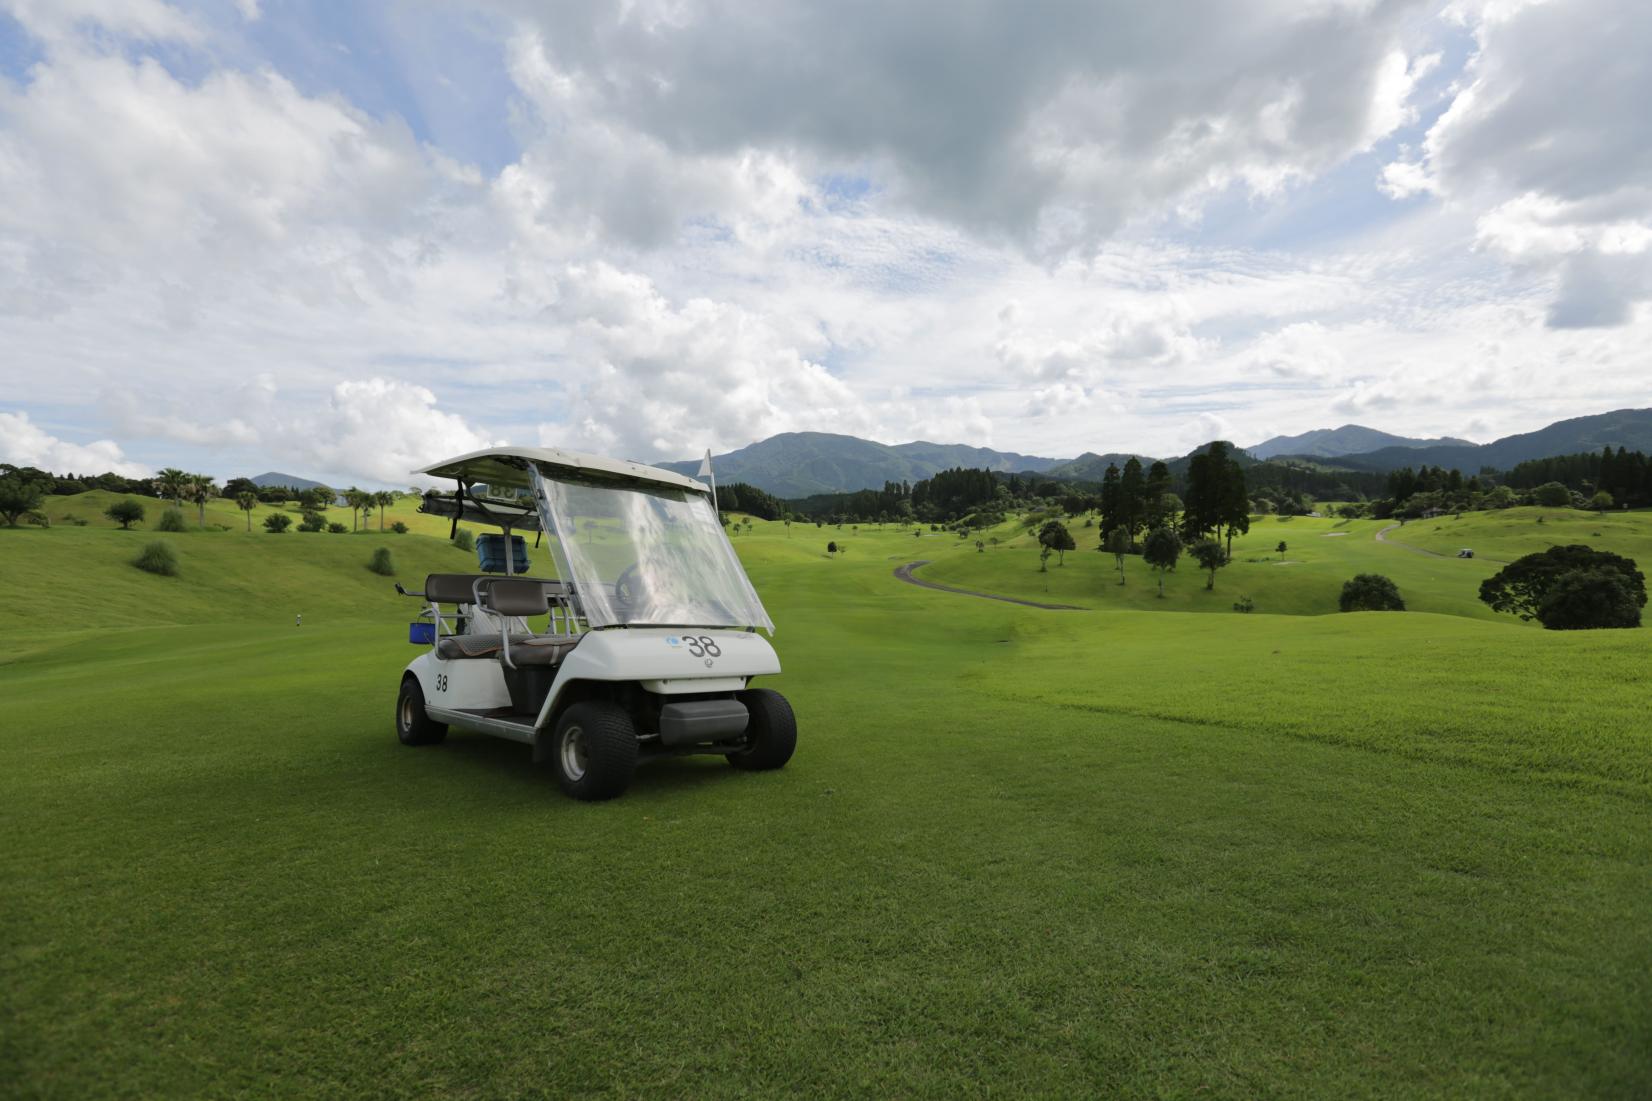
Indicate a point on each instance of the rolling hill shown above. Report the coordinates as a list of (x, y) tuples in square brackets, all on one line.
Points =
[(276, 478), (1090, 467), (799, 464), (1350, 439)]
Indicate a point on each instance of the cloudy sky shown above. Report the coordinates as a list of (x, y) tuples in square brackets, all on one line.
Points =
[(343, 239)]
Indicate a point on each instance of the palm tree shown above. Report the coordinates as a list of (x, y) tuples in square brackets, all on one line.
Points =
[(200, 490), (171, 483), (382, 498), (246, 502)]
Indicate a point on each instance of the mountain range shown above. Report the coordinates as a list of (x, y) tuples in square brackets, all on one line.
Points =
[(800, 464), (1631, 428)]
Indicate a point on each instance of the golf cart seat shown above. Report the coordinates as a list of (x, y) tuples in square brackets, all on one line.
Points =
[(451, 588), (508, 598), (460, 588), (525, 649)]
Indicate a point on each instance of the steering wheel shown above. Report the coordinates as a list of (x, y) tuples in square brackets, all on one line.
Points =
[(628, 586)]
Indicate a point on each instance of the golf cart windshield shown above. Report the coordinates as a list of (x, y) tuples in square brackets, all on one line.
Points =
[(644, 554)]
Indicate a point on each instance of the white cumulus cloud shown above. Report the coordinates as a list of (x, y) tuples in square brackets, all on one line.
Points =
[(24, 443)]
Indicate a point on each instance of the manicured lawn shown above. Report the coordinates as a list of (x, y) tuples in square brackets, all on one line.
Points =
[(1112, 853), (223, 515), (1306, 580), (1509, 533)]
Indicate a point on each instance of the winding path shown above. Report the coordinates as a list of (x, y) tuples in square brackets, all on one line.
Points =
[(1382, 537), (904, 573)]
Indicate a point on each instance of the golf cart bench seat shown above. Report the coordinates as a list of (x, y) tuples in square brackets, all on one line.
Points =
[(460, 588), (525, 649)]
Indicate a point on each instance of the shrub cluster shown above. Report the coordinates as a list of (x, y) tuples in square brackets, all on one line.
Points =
[(1371, 592), (382, 564), (157, 558), (171, 520)]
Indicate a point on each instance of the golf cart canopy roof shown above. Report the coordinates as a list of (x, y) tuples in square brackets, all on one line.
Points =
[(508, 467), (515, 515)]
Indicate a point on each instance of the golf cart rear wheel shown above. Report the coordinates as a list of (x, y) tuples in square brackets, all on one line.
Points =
[(594, 750), (413, 726), (771, 731)]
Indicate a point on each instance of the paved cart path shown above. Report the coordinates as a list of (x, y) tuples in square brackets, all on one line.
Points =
[(1382, 537), (905, 574)]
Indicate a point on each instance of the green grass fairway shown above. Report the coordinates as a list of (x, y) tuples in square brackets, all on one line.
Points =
[(1306, 580), (1121, 852), (1510, 533), (223, 515)]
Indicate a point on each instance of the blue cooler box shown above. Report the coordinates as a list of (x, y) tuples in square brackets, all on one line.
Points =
[(490, 553)]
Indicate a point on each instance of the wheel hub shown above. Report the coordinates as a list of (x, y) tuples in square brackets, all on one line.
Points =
[(575, 758)]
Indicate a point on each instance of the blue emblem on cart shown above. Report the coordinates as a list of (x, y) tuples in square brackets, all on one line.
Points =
[(673, 641)]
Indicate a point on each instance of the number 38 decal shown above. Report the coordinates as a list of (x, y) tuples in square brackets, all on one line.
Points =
[(703, 646)]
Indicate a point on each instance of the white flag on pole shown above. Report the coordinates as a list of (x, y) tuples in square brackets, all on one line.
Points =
[(705, 465)]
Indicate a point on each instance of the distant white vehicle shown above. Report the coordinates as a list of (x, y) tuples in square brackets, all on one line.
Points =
[(651, 639), (1465, 553)]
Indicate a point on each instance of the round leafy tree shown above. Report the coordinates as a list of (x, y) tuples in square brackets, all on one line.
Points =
[(1161, 550), (125, 512), (1520, 587), (1371, 592), (1552, 495), (1117, 543), (19, 496), (1211, 557), (1583, 600), (1055, 536)]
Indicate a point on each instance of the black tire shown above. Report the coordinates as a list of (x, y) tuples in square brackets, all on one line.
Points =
[(413, 726), (771, 732), (594, 750)]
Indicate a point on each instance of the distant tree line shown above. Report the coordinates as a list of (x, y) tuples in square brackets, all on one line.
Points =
[(982, 497), (64, 485), (1623, 474), (740, 497)]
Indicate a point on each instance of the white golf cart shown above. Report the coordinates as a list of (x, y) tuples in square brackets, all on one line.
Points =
[(644, 644)]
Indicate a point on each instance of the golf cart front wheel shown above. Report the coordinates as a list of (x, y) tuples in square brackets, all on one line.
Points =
[(594, 750), (771, 731), (413, 726)]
